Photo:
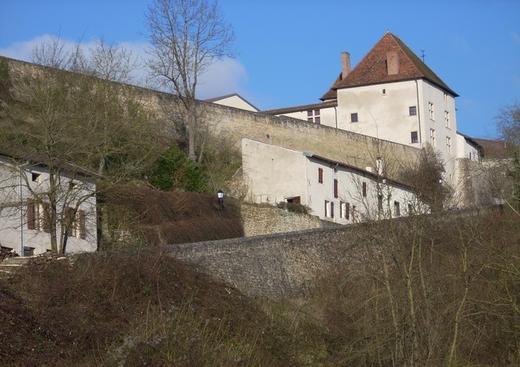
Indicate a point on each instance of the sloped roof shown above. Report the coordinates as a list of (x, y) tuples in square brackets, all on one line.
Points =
[(372, 68), (220, 98), (358, 170), (279, 111)]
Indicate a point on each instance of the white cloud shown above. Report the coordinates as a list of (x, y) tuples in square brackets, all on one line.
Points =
[(224, 76)]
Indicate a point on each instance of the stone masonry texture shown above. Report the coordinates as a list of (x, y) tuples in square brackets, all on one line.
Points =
[(267, 219), (275, 266)]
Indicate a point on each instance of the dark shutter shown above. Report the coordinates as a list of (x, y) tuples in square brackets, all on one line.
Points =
[(335, 188), (46, 217), (332, 209), (364, 185), (82, 229), (31, 218), (69, 220), (320, 175)]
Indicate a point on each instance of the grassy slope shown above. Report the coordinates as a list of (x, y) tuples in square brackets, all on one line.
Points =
[(143, 308)]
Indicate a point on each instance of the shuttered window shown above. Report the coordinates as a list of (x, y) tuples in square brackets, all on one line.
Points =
[(31, 217), (82, 221), (335, 188), (320, 175)]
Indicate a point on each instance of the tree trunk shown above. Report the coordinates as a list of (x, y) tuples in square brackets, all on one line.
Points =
[(52, 217)]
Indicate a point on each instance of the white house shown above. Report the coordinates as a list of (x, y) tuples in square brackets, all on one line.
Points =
[(234, 100), (393, 95), (24, 209), (333, 190)]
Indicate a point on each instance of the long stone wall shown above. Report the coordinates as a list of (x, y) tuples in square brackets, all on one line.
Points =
[(275, 266), (356, 149), (235, 124)]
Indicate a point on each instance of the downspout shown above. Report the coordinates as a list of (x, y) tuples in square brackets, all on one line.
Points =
[(418, 110)]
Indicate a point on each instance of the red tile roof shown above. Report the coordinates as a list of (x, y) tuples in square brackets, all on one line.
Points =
[(372, 68)]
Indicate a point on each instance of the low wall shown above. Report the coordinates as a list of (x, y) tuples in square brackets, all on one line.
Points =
[(267, 219), (275, 266)]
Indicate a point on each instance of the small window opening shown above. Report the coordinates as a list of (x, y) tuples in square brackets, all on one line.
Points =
[(35, 176), (354, 117), (414, 137)]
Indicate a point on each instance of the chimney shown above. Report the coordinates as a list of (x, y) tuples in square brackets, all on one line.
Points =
[(392, 63), (345, 64)]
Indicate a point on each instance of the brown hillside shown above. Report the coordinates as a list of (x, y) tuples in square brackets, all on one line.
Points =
[(176, 216)]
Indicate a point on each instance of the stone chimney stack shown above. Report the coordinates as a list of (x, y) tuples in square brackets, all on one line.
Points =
[(392, 62), (345, 64)]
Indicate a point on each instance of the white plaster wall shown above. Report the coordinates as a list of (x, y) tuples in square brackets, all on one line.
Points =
[(384, 116), (466, 150), (430, 93), (13, 217), (272, 173), (236, 102), (327, 116), (350, 191)]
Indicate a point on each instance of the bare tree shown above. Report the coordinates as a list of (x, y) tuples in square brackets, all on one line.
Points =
[(72, 124), (186, 37), (51, 52), (111, 62), (102, 60), (509, 125)]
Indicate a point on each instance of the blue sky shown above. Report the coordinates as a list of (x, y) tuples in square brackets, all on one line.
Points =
[(287, 52)]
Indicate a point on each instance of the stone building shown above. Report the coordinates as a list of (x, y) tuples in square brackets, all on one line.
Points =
[(333, 190), (393, 95), (24, 211)]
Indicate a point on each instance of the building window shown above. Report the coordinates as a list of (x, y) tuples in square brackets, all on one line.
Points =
[(410, 209), (412, 110), (326, 209), (380, 202), (38, 216), (320, 175), (445, 98), (313, 115), (384, 92), (294, 200), (414, 138), (35, 176), (397, 209), (344, 210), (354, 117), (329, 209), (448, 144), (335, 188), (364, 189), (432, 137), (431, 111), (354, 213), (447, 119)]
